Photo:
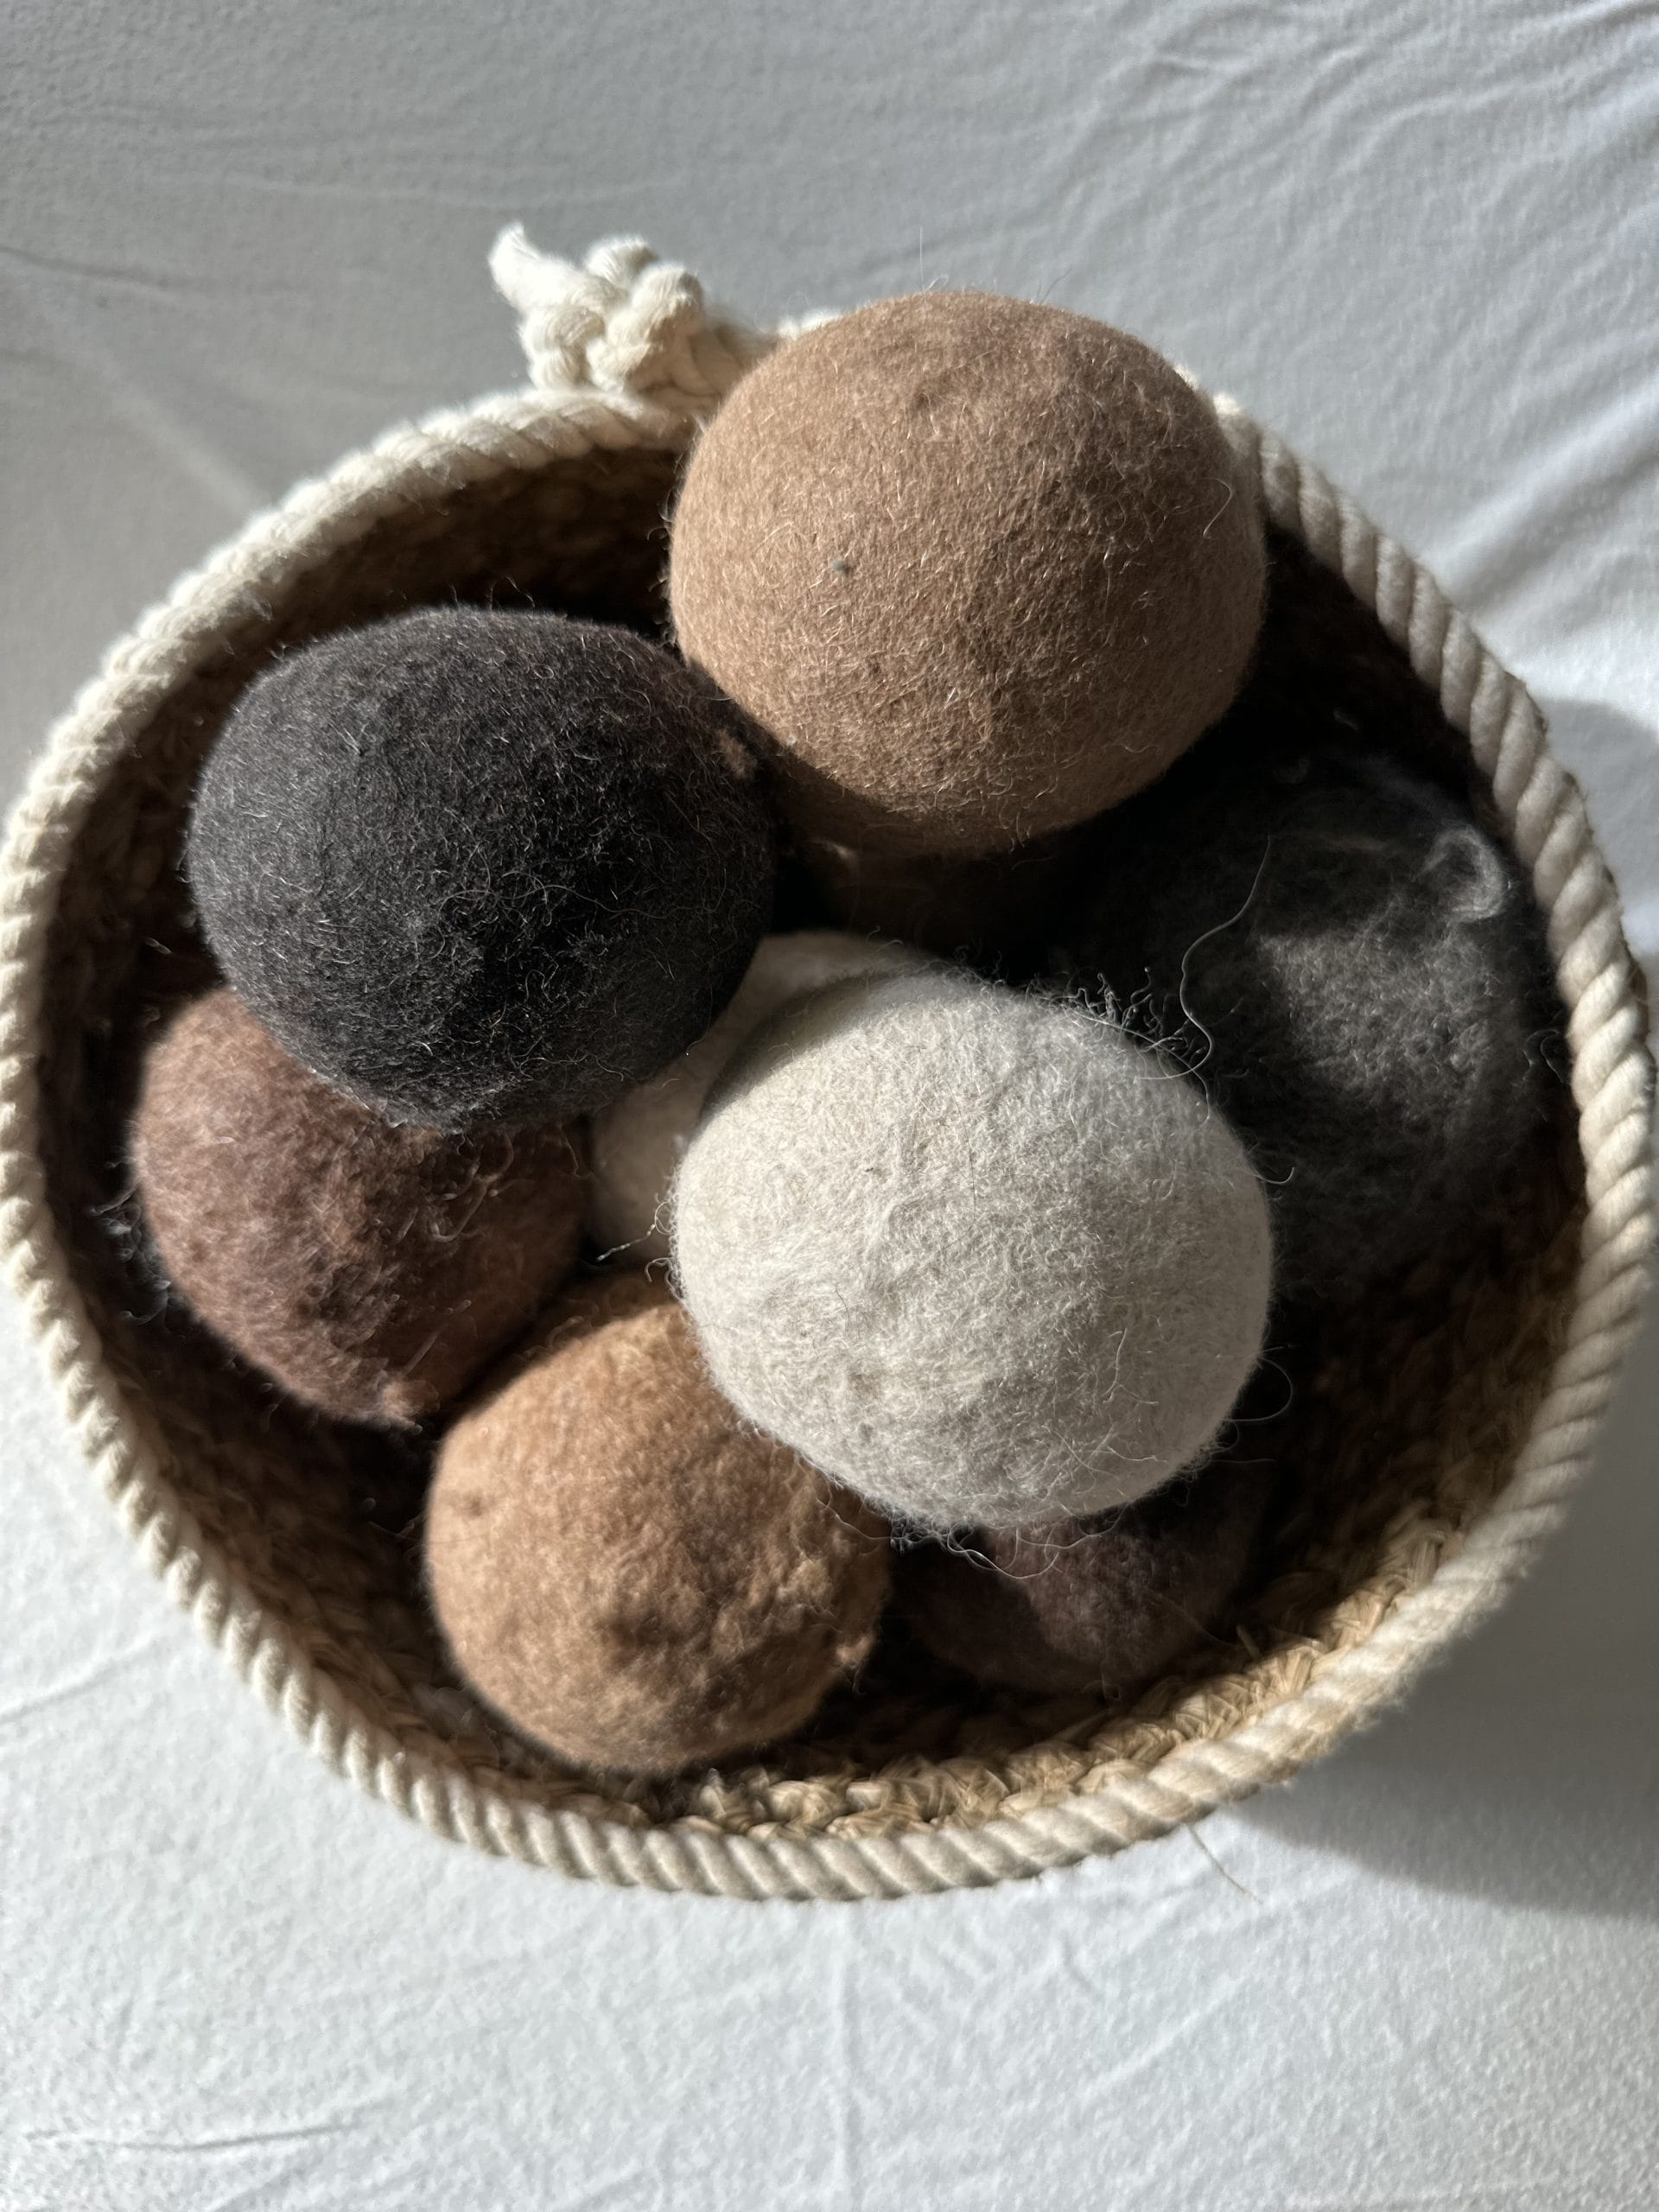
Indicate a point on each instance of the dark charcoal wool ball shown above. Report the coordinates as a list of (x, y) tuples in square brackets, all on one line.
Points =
[(373, 1271), (473, 866), (1354, 968), (1104, 1604)]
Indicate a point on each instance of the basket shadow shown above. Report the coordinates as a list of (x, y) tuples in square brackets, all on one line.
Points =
[(1526, 1771)]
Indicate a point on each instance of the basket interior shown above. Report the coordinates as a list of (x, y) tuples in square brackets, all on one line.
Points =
[(1392, 1426)]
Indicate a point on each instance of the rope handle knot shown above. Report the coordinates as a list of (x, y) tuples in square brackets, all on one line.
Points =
[(624, 322)]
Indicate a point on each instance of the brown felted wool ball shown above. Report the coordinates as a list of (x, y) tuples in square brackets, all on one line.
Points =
[(979, 570), (995, 910), (1104, 1604), (627, 1573), (373, 1271)]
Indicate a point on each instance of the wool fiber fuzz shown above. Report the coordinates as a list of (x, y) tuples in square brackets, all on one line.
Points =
[(978, 1256), (372, 1271), (1353, 968), (480, 868), (978, 568), (627, 1573), (1104, 1605), (639, 1143)]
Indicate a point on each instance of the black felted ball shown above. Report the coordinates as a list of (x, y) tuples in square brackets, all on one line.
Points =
[(1356, 971), (473, 867)]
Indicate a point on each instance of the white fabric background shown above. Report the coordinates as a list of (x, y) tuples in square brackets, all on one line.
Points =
[(1421, 241)]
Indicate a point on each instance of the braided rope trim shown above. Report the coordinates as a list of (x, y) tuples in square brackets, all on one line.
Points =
[(1543, 814), (625, 322)]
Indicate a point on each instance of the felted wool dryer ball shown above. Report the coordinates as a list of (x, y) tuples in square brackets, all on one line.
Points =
[(995, 910), (1356, 971), (623, 1570), (638, 1143), (977, 1255), (372, 1271), (475, 867), (1105, 1604), (978, 568)]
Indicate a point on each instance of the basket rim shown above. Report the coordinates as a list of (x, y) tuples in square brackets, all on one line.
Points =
[(562, 417)]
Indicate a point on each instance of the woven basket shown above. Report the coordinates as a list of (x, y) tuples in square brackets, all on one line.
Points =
[(1436, 1442)]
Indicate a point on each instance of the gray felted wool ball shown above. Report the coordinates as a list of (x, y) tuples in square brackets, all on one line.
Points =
[(639, 1143), (1356, 974), (372, 1271), (978, 569), (976, 1255), (473, 866)]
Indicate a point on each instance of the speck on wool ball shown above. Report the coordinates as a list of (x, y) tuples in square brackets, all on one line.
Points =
[(623, 1570), (372, 1271), (475, 867), (976, 1254), (976, 569)]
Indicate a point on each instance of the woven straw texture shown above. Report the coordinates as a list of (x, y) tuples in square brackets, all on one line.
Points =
[(1433, 1445)]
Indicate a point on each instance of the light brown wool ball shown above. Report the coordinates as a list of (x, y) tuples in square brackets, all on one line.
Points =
[(979, 569), (1104, 1605), (373, 1271), (624, 1571)]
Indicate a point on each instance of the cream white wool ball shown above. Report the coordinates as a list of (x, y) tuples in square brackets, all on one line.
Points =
[(638, 1142), (978, 1256)]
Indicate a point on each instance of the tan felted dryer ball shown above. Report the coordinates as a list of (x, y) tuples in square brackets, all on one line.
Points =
[(624, 1571), (373, 1271), (980, 569)]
